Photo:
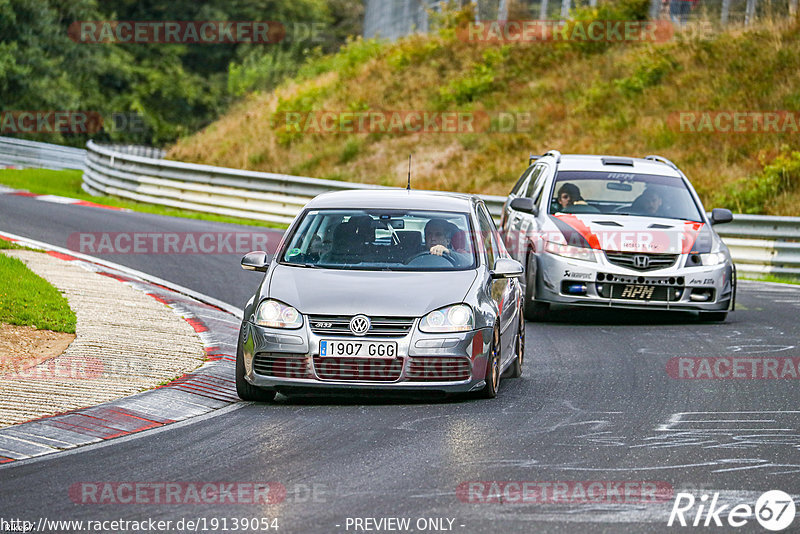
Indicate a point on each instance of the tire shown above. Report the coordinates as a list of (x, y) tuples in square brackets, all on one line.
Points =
[(534, 311), (245, 390), (516, 367), (714, 317), (489, 391)]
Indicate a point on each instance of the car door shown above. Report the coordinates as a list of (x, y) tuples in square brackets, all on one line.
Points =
[(522, 226), (504, 291), (510, 215)]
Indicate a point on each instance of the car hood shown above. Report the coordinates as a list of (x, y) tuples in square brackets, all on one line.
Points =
[(375, 293), (625, 233)]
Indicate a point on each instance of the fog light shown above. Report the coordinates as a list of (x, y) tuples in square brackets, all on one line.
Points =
[(576, 289)]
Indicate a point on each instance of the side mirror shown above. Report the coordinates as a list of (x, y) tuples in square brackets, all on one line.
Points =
[(721, 216), (256, 261), (525, 205), (506, 268)]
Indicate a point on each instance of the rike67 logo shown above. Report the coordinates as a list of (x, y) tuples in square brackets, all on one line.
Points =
[(774, 510)]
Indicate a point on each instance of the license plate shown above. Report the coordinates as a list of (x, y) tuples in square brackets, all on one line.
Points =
[(638, 292), (357, 349)]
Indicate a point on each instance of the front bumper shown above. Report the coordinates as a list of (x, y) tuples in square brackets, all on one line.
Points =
[(563, 280), (290, 359)]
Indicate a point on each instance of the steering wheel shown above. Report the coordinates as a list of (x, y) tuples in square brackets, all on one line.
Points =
[(446, 256)]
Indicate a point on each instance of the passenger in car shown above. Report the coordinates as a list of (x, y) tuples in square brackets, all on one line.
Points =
[(351, 241)]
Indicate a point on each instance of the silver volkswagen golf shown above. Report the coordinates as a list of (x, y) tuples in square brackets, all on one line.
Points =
[(614, 231), (391, 289)]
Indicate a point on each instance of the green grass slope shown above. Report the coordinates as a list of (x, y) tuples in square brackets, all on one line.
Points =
[(582, 98)]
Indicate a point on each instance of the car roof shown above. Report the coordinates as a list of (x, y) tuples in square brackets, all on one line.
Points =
[(394, 199), (586, 162)]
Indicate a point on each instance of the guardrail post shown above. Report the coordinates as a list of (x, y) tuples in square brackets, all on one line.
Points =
[(750, 13), (655, 8), (565, 5), (502, 11), (726, 7)]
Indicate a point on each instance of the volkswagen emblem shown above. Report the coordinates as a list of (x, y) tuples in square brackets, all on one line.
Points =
[(359, 325), (641, 261)]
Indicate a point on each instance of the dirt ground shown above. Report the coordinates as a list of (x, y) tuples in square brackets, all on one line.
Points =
[(22, 347)]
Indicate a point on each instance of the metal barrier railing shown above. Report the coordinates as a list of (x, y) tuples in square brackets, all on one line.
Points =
[(23, 153), (759, 244), (763, 244)]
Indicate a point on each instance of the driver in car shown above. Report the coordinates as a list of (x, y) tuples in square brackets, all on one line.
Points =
[(438, 238)]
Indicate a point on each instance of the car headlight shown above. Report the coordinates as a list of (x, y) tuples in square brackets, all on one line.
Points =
[(570, 251), (456, 318), (276, 314), (714, 258)]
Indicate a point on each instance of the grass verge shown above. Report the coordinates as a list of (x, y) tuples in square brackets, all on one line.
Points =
[(67, 183), (772, 278), (28, 300)]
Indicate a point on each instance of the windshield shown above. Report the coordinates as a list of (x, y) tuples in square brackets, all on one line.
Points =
[(620, 193), (390, 240)]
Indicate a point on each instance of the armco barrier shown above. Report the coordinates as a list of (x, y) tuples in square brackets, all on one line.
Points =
[(764, 245), (23, 153), (256, 195), (759, 244)]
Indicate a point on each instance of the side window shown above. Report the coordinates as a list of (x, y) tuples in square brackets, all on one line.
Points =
[(488, 237), (535, 181), (539, 190), (521, 182)]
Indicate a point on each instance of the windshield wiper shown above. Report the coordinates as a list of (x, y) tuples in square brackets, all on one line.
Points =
[(309, 265)]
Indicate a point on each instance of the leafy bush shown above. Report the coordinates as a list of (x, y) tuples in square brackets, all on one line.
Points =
[(757, 194), (479, 81), (650, 71)]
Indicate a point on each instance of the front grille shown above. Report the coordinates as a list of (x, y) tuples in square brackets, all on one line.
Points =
[(364, 369), (438, 369), (281, 365), (640, 292), (339, 325), (654, 261)]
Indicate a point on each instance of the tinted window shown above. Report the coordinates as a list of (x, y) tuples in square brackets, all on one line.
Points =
[(488, 238), (521, 182), (534, 182)]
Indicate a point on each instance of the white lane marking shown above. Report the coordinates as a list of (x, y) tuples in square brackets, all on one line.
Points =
[(57, 199)]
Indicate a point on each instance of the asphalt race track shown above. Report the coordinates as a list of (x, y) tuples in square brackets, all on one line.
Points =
[(596, 403)]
